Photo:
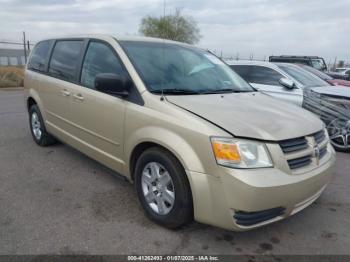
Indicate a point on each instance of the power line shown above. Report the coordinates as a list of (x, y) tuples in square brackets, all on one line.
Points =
[(12, 43)]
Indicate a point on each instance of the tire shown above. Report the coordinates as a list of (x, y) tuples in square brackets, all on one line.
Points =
[(180, 212), (37, 128), (340, 149), (339, 134)]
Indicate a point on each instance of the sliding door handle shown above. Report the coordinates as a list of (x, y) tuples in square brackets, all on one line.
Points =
[(79, 97), (65, 92)]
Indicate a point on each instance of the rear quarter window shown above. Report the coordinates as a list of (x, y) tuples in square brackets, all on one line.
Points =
[(40, 56)]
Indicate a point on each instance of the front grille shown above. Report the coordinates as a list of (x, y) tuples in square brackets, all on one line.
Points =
[(251, 218), (294, 144), (319, 136), (328, 107), (299, 151), (299, 162), (323, 152)]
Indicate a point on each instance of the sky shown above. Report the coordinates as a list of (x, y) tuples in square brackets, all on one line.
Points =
[(242, 28)]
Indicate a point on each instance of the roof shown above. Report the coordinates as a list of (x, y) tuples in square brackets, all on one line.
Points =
[(251, 62), (294, 56), (118, 38)]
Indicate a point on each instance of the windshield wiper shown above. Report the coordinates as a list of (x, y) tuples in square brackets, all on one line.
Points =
[(224, 90), (177, 91)]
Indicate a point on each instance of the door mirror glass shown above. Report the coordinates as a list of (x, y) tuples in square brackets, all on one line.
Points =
[(112, 84), (287, 83)]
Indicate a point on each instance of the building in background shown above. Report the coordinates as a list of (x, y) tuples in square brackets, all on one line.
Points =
[(12, 57)]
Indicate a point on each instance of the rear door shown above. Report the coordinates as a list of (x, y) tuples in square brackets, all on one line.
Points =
[(57, 87), (98, 117)]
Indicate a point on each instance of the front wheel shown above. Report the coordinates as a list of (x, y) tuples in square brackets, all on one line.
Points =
[(163, 189)]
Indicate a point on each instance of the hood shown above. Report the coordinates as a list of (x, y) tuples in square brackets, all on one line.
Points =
[(342, 91), (251, 115), (340, 82)]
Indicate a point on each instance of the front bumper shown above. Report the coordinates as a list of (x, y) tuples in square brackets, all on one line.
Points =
[(218, 199)]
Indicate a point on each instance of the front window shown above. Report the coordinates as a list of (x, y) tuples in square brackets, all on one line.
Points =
[(172, 68), (99, 58), (303, 77), (258, 74)]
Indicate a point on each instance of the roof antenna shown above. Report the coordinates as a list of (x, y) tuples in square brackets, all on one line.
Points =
[(162, 96)]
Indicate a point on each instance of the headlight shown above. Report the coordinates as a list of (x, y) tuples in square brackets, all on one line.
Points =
[(240, 153)]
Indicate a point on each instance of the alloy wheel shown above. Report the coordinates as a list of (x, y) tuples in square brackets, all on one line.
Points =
[(339, 133), (36, 126)]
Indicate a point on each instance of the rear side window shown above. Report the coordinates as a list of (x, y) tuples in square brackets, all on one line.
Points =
[(40, 56), (99, 58), (65, 59)]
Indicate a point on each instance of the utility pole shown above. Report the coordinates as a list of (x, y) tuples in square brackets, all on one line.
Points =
[(24, 47), (164, 5)]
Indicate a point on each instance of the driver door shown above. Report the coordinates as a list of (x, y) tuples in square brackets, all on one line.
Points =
[(99, 117)]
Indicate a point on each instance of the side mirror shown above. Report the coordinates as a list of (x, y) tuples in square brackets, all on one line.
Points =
[(112, 84), (287, 83)]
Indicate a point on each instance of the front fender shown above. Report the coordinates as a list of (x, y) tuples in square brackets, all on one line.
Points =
[(167, 139)]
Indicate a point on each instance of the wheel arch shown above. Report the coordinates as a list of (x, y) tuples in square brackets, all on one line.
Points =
[(30, 102), (165, 139), (32, 98)]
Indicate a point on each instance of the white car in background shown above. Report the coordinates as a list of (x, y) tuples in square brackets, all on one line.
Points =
[(293, 84), (342, 70)]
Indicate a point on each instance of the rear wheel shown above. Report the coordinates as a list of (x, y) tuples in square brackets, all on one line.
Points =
[(37, 128), (163, 189)]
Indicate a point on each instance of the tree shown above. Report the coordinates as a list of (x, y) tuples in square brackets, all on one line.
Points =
[(174, 27)]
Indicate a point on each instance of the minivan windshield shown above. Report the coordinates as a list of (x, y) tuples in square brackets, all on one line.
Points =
[(304, 77), (175, 69)]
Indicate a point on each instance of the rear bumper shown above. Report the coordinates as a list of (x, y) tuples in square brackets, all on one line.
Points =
[(240, 199)]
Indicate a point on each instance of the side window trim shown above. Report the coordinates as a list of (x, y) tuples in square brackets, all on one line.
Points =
[(75, 80)]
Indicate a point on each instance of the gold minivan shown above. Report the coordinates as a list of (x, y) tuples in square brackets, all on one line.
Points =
[(197, 141)]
